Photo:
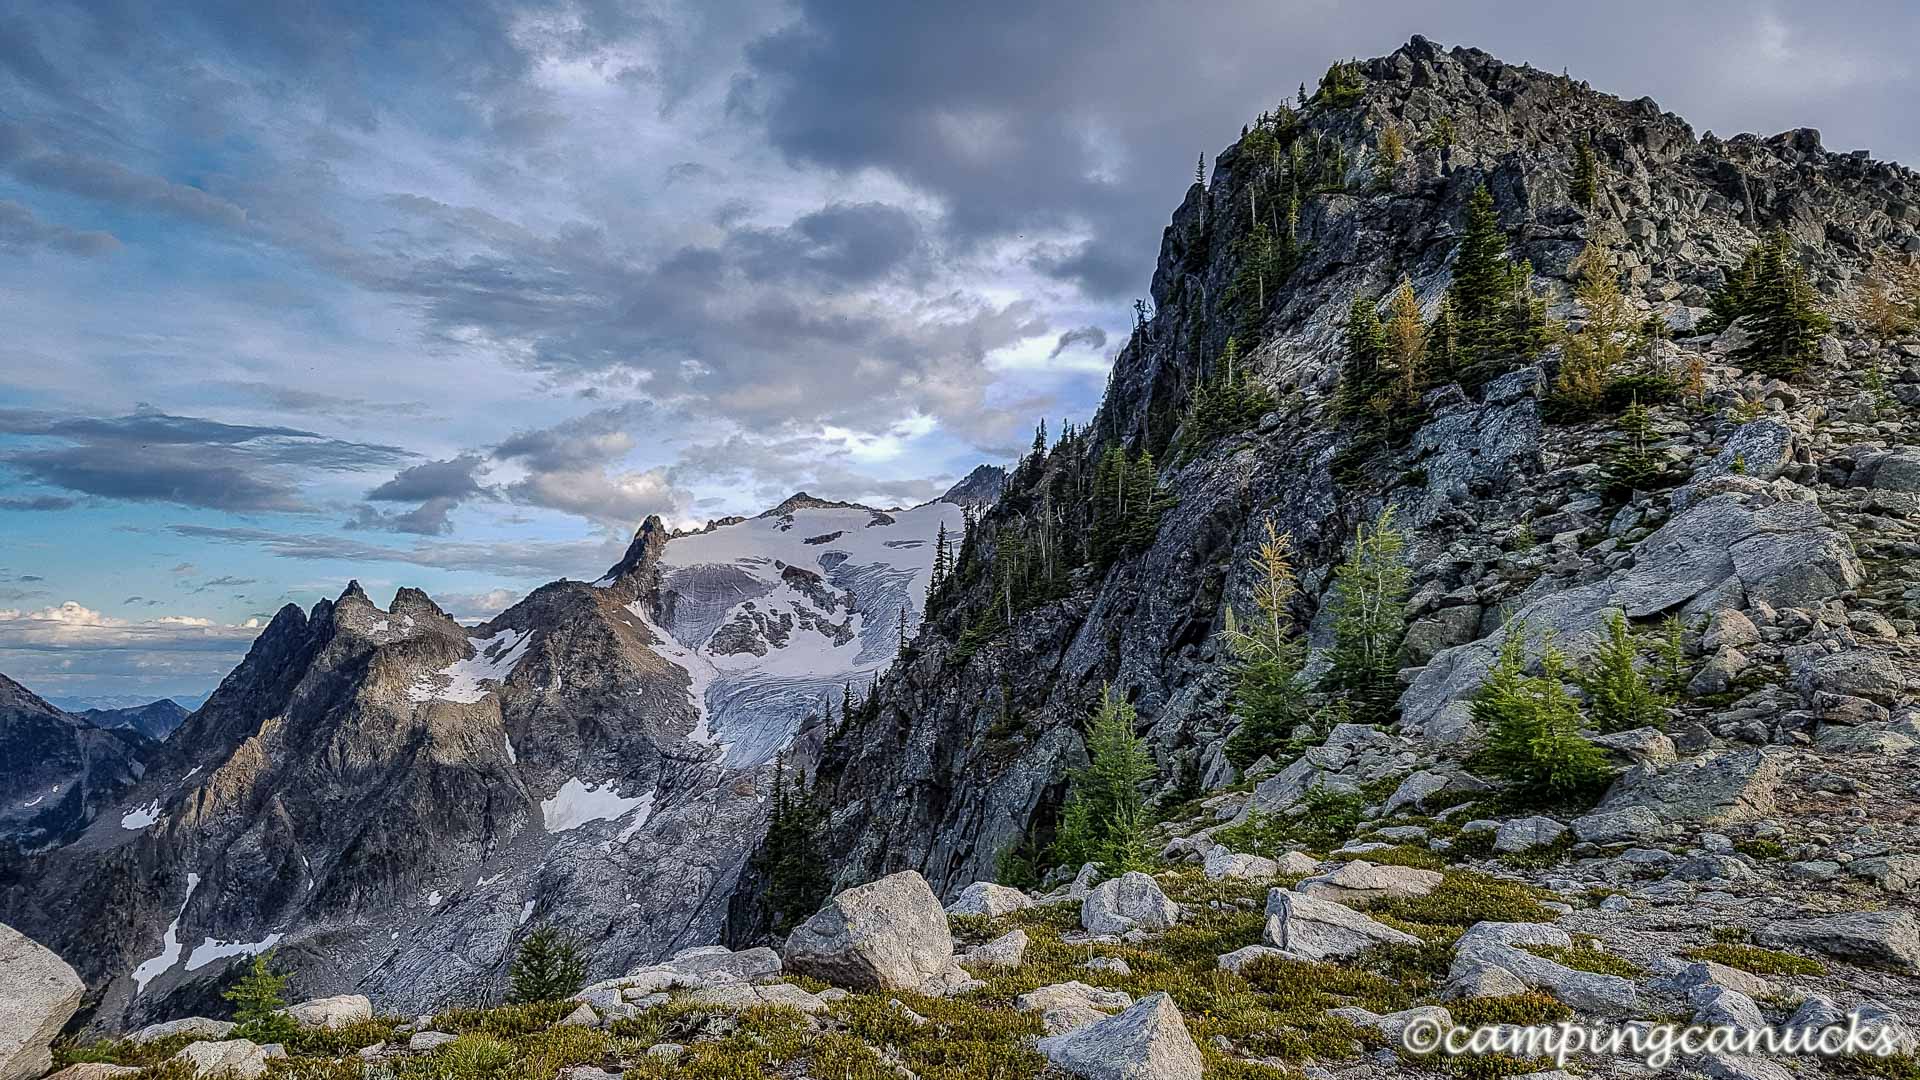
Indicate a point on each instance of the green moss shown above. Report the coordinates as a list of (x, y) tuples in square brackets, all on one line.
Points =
[(336, 1042), (1406, 855), (1755, 959), (1588, 959), (119, 1051), (1465, 898)]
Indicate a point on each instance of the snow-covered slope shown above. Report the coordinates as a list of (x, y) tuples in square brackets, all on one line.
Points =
[(773, 615)]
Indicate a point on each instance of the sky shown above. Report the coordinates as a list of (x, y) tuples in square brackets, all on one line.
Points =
[(454, 294)]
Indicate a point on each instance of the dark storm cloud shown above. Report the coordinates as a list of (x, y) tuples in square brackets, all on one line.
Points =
[(1090, 337), (1022, 116), (151, 456), (846, 244), (22, 232), (454, 478)]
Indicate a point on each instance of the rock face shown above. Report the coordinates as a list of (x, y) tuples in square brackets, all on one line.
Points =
[(1880, 938), (1763, 517), (38, 994), (58, 772), (890, 934), (1148, 1041), (1360, 881)]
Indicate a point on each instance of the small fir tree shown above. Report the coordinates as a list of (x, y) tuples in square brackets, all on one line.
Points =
[(1604, 341), (1618, 693), (1106, 811), (549, 967), (257, 998), (1361, 372), (1370, 621), (1586, 175), (1633, 465), (1786, 319), (790, 858), (1267, 696), (1533, 727)]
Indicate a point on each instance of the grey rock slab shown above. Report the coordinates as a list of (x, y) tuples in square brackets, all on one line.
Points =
[(1360, 881), (1314, 929), (201, 1026), (1146, 1041), (331, 1012), (38, 994), (1880, 938), (236, 1058), (1527, 833), (889, 934)]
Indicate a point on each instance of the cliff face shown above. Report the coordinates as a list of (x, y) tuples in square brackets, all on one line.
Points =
[(965, 755)]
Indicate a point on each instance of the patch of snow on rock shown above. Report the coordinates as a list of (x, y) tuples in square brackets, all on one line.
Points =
[(210, 950), (577, 803), (140, 817), (154, 967), (493, 660)]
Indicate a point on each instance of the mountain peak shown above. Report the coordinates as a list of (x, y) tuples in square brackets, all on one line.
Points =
[(649, 540), (979, 489), (800, 500)]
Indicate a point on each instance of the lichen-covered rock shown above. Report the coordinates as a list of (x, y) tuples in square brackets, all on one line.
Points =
[(238, 1059), (1718, 789), (1069, 1005), (38, 993), (1224, 863), (1527, 833), (1005, 951), (889, 934), (1147, 1041), (200, 1026)]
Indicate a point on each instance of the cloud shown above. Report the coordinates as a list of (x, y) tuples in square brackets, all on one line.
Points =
[(536, 560), (38, 502), (151, 456), (71, 625), (774, 469), (1091, 337), (439, 487), (22, 154), (21, 232), (572, 467)]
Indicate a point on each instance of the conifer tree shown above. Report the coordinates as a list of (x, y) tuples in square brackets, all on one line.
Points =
[(790, 858), (257, 997), (1604, 341), (1266, 695), (1618, 693), (1144, 499), (548, 967), (1360, 371), (1117, 767), (1370, 621), (1786, 320), (1586, 175), (1406, 342), (1495, 316), (1633, 464), (1442, 346), (1533, 726)]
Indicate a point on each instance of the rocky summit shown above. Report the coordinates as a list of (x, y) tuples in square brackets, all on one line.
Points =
[(1487, 594)]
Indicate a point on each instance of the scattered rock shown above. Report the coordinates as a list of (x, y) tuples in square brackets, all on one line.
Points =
[(236, 1058), (1148, 1041), (1310, 928), (1360, 881), (193, 1025), (1888, 939), (421, 1041), (1527, 833), (1004, 951), (1223, 863), (986, 898), (889, 934), (1068, 1005), (1132, 901), (331, 1012)]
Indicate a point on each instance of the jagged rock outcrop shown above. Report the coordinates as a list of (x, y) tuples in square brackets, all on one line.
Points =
[(58, 772), (1774, 516)]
